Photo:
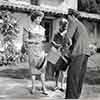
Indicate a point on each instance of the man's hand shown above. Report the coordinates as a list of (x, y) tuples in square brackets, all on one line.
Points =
[(92, 49)]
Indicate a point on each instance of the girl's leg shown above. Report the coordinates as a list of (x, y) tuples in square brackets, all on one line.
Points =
[(57, 79), (62, 81)]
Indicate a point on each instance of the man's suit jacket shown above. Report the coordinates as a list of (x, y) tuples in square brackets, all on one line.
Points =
[(79, 36)]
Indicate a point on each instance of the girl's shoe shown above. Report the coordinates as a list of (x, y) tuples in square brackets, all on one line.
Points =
[(56, 88), (32, 91)]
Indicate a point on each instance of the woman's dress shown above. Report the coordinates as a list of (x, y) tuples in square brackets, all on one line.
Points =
[(35, 48)]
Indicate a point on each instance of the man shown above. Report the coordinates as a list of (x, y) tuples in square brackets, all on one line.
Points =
[(79, 55)]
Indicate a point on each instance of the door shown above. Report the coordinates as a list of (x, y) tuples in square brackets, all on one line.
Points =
[(48, 24)]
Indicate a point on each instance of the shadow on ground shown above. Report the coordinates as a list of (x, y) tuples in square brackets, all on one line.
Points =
[(92, 77), (18, 74)]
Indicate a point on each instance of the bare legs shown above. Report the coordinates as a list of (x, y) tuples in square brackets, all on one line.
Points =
[(58, 73), (42, 78), (62, 80), (33, 84), (56, 78)]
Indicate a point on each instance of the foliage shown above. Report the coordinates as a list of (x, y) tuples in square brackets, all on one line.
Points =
[(9, 27), (9, 32)]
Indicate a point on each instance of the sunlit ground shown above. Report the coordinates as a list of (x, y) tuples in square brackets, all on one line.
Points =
[(15, 83)]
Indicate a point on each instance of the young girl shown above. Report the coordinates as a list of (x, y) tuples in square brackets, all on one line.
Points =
[(59, 43)]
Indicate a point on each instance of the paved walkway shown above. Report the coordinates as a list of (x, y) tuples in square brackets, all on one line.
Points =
[(14, 85), (20, 89)]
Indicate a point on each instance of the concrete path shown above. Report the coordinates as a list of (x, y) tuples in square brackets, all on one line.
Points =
[(20, 89)]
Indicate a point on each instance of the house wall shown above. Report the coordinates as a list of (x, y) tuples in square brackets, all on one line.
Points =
[(93, 31), (59, 4)]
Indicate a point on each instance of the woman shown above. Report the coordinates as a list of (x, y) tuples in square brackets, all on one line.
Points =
[(34, 35)]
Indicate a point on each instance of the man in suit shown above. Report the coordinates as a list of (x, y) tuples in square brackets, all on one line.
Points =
[(79, 53)]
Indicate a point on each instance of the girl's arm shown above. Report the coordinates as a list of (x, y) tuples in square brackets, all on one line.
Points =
[(55, 44)]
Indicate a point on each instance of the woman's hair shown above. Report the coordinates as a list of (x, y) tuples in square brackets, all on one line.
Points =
[(35, 14)]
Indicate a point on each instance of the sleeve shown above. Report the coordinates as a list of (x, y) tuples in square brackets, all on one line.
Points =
[(72, 27)]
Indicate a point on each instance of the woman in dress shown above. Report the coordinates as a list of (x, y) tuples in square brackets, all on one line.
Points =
[(34, 35)]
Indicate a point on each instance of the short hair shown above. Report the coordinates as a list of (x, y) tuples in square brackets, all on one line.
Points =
[(35, 14), (73, 12), (63, 21)]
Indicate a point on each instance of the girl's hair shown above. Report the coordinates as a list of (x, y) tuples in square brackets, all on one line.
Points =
[(35, 14), (63, 21)]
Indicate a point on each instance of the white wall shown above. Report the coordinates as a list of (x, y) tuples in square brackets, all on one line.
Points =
[(59, 4), (52, 3), (71, 4)]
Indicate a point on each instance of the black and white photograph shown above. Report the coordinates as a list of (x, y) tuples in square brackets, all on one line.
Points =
[(49, 49)]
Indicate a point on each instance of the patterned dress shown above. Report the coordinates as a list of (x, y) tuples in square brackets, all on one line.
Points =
[(35, 48)]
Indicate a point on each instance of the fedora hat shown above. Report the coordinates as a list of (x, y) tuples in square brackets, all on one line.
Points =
[(73, 12)]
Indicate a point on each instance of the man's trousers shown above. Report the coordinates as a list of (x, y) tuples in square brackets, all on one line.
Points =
[(76, 73)]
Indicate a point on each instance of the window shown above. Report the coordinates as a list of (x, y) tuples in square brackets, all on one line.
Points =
[(91, 6), (34, 2)]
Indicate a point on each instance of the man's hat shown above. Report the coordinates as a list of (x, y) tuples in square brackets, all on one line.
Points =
[(73, 12)]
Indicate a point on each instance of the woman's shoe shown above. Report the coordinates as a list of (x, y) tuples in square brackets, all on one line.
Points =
[(44, 91), (61, 89)]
